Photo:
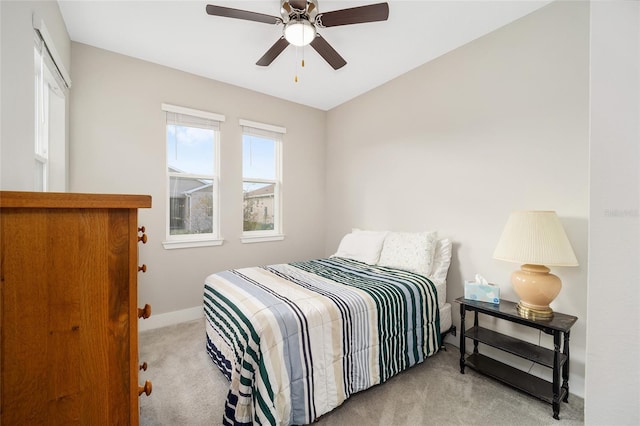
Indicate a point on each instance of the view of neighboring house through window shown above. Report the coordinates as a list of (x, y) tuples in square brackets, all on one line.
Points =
[(50, 88), (261, 181), (192, 176)]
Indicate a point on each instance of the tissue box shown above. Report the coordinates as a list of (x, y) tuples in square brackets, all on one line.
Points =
[(481, 292)]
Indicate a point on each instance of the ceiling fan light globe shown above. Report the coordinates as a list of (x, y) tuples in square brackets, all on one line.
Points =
[(299, 32)]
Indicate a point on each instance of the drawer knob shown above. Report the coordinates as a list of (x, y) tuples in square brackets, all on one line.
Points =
[(144, 312), (142, 268), (141, 229), (143, 366), (143, 238), (146, 389)]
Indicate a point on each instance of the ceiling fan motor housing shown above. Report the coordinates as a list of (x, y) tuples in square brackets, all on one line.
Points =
[(298, 17), (299, 9)]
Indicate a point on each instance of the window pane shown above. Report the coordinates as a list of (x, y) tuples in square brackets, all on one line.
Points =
[(190, 206), (258, 206), (190, 150), (258, 157)]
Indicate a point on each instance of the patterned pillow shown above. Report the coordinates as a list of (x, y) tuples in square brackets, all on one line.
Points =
[(409, 251)]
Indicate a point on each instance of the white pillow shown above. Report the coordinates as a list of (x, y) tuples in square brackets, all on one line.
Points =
[(363, 246), (441, 261), (411, 251)]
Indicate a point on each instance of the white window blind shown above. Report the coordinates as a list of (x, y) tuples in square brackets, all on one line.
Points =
[(52, 54), (262, 129), (192, 121)]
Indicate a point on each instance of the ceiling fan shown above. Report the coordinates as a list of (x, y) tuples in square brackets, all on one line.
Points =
[(301, 19)]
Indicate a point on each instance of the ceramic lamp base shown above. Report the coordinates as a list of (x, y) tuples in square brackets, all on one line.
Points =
[(534, 313), (537, 288)]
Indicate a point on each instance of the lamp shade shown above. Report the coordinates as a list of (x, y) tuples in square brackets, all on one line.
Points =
[(537, 238)]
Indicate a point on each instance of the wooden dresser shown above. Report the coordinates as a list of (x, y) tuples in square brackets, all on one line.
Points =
[(69, 312)]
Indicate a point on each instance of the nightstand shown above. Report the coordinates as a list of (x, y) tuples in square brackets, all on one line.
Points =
[(557, 358)]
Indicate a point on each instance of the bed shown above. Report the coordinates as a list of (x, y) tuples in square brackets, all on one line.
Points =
[(296, 340)]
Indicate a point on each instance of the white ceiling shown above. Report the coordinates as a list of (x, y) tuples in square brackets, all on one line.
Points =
[(179, 34)]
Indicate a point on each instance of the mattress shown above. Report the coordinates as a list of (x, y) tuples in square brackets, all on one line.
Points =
[(441, 288), (445, 317)]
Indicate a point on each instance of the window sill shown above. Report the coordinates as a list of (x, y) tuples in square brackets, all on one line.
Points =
[(250, 239), (179, 244)]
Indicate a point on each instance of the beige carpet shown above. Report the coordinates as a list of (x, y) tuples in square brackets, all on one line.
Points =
[(189, 390)]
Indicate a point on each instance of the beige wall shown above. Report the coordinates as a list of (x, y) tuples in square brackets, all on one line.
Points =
[(455, 145), (16, 81), (613, 333), (118, 146)]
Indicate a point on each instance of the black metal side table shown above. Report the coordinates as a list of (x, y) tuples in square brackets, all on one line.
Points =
[(557, 359)]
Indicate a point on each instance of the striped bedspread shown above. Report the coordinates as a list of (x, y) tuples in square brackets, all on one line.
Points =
[(295, 340)]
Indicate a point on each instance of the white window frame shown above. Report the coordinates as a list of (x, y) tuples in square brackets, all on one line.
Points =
[(277, 134), (194, 240), (51, 82), (41, 113)]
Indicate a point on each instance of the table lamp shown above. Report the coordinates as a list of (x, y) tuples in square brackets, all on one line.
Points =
[(536, 239)]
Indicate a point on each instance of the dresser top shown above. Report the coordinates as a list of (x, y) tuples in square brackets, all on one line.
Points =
[(65, 200)]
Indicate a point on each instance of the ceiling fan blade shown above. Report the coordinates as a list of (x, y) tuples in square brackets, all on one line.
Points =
[(273, 52), (327, 52), (228, 12), (354, 15)]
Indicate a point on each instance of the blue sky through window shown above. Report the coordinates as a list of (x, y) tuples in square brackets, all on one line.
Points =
[(258, 157), (190, 149)]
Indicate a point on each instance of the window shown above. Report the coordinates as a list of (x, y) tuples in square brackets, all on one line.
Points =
[(261, 182), (51, 82), (193, 208)]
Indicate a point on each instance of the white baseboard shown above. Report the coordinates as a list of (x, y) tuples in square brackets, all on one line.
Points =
[(170, 318)]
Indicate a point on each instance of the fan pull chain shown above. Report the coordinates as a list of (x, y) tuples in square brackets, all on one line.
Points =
[(301, 63), (295, 79)]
